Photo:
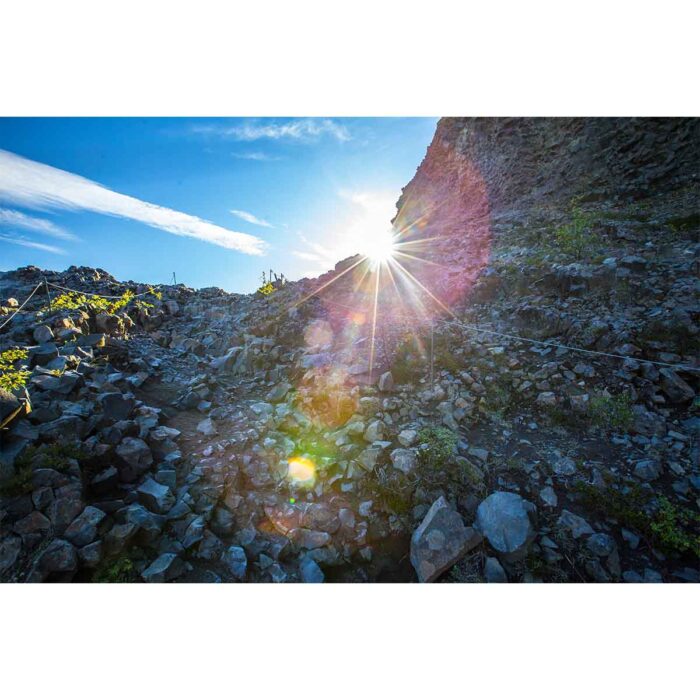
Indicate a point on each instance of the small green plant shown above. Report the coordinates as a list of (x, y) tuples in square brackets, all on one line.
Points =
[(119, 569), (11, 377), (409, 362), (266, 288), (498, 397), (393, 491), (444, 356), (437, 446), (19, 484), (92, 303), (672, 526), (576, 238), (664, 524), (611, 412), (57, 455)]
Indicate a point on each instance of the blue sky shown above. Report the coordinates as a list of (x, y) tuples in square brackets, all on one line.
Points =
[(232, 196)]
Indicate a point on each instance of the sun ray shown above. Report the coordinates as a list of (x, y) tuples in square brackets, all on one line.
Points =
[(374, 323), (323, 286), (420, 260), (426, 290)]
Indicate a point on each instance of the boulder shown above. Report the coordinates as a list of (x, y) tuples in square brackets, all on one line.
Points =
[(575, 524), (675, 388), (42, 334), (10, 547), (505, 519), (206, 427), (647, 469), (236, 561), (83, 529), (34, 522), (404, 460), (59, 557), (42, 354), (136, 456), (105, 481), (494, 572), (375, 431), (9, 404), (440, 541), (368, 457), (277, 393), (116, 406), (386, 382), (308, 539), (310, 571), (166, 567), (156, 497), (407, 437)]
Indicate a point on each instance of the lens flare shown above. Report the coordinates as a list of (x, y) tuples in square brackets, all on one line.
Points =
[(379, 248), (301, 472)]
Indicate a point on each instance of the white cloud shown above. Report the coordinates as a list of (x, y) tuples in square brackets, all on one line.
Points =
[(251, 218), (10, 217), (255, 155), (296, 129), (33, 244), (29, 183)]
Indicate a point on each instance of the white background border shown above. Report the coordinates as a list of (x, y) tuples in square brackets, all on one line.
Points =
[(360, 58)]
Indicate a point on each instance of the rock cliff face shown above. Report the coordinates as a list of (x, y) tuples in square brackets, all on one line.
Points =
[(511, 164), (480, 175), (195, 435)]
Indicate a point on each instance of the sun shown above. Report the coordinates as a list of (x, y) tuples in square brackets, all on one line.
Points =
[(380, 246)]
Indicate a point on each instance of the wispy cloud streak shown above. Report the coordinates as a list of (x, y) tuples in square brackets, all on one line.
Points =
[(10, 217), (255, 155), (36, 185), (251, 218), (296, 129), (33, 244)]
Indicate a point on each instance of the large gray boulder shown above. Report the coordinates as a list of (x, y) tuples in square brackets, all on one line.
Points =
[(165, 568), (59, 558), (440, 541), (9, 403), (116, 406), (83, 529), (675, 388), (136, 456), (236, 561), (310, 571), (505, 519), (404, 460), (156, 497)]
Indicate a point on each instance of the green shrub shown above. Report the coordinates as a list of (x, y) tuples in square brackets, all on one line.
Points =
[(12, 378), (57, 455), (92, 303), (18, 485), (611, 412), (664, 524), (437, 446), (576, 238), (409, 364), (673, 528), (266, 288), (119, 569)]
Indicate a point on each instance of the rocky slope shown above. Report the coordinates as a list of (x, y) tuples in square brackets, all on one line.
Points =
[(204, 436)]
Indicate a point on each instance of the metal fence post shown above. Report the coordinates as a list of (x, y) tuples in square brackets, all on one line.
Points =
[(432, 355), (48, 293)]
